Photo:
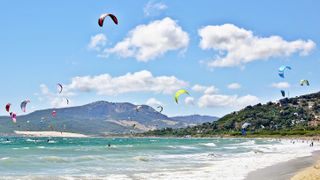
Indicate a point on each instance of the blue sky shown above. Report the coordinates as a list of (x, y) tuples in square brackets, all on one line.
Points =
[(157, 48)]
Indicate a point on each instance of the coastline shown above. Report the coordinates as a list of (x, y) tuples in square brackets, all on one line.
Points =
[(203, 158), (49, 134), (285, 170)]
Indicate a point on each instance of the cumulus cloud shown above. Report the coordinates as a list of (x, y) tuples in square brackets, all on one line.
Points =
[(153, 102), (281, 85), (97, 42), (141, 81), (198, 88), (238, 46), (147, 42), (205, 89), (189, 100), (217, 100), (234, 86), (154, 8)]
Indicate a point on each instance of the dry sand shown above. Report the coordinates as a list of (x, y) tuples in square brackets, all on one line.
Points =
[(310, 173), (49, 134)]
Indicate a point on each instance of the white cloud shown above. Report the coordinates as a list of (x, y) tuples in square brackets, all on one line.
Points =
[(281, 85), (199, 88), (205, 89), (55, 100), (234, 86), (238, 46), (142, 81), (217, 100), (97, 42), (189, 100), (154, 8), (147, 42), (153, 102), (211, 90)]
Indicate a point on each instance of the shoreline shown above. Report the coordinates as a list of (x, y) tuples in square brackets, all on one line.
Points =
[(285, 170), (48, 134), (315, 138)]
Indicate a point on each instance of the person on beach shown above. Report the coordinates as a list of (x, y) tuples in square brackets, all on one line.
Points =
[(311, 145)]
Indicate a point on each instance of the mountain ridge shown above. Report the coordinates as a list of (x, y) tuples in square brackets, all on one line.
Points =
[(96, 118)]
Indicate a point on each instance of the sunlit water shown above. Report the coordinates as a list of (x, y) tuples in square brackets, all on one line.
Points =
[(141, 158)]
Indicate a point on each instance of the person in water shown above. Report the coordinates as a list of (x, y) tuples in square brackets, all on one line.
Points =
[(311, 145), (109, 145)]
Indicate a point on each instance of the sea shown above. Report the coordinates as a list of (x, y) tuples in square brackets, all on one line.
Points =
[(143, 158)]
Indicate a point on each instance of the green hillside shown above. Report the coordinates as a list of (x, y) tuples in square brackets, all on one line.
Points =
[(298, 115)]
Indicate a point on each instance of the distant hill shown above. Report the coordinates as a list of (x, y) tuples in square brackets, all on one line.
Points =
[(299, 114), (98, 118), (195, 119)]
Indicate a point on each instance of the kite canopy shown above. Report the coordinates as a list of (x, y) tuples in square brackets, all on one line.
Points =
[(8, 107), (23, 105), (138, 108), (67, 100), (103, 16), (60, 88), (304, 82), (283, 93), (178, 93), (54, 113), (245, 125), (161, 108), (282, 70), (13, 117)]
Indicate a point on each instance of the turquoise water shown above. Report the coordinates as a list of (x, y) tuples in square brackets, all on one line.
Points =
[(131, 158)]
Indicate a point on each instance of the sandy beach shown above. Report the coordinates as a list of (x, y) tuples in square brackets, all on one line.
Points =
[(310, 173), (284, 170), (49, 134)]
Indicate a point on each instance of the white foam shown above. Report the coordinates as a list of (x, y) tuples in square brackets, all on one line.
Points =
[(182, 147), (209, 144), (247, 143), (30, 140), (52, 142), (230, 147), (21, 148), (237, 166), (4, 158)]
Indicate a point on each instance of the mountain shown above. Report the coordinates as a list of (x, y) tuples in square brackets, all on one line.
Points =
[(196, 119), (98, 118), (298, 115)]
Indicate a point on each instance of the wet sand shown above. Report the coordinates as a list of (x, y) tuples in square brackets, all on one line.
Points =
[(285, 170)]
